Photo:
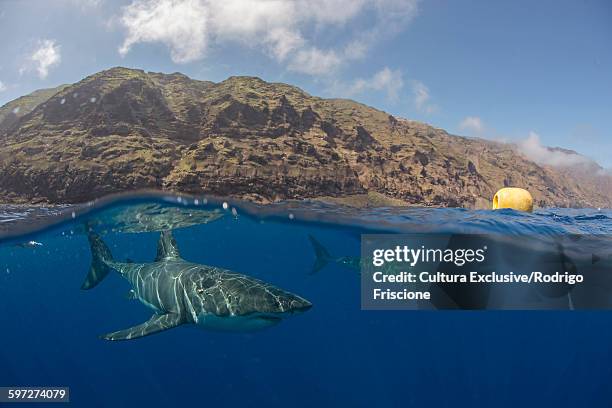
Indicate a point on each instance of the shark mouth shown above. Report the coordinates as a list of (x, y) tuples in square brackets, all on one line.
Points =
[(270, 318)]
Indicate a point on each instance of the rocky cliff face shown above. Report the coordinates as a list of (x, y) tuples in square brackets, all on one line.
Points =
[(12, 111), (124, 129)]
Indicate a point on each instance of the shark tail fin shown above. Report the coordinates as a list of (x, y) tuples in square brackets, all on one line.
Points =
[(322, 255), (100, 254)]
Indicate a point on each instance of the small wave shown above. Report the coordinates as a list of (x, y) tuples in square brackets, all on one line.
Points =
[(591, 217)]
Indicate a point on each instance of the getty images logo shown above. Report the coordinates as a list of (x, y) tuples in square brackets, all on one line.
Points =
[(414, 256)]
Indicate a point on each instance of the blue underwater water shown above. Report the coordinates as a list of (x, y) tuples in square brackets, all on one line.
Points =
[(332, 355)]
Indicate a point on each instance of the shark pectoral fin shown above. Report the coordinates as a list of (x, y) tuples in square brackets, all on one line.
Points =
[(154, 325)]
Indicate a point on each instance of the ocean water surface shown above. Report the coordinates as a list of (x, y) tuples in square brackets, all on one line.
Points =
[(335, 354)]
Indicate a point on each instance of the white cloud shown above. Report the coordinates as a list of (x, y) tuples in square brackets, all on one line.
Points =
[(473, 125), (282, 42), (533, 149), (282, 29), (422, 98), (355, 50), (2, 87), (391, 82), (314, 61), (387, 80), (531, 146), (43, 58), (180, 25)]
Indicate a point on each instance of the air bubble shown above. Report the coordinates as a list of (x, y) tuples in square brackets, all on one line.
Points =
[(225, 206)]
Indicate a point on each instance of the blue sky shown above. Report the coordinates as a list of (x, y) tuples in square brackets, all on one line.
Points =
[(529, 72)]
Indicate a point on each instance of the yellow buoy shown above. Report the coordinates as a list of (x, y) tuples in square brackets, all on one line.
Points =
[(515, 198)]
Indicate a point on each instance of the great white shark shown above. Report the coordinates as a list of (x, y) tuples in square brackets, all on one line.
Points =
[(182, 292)]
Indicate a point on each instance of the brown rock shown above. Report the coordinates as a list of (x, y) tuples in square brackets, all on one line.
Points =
[(124, 129)]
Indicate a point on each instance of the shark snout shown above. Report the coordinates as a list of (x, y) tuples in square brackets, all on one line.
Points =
[(280, 302), (299, 305)]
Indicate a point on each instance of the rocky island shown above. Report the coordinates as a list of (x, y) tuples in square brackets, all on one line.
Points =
[(124, 129)]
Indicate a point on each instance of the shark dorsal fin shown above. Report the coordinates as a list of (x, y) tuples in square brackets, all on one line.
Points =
[(166, 247)]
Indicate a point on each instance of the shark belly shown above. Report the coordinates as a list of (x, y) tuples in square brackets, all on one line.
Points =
[(247, 323)]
